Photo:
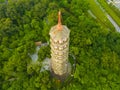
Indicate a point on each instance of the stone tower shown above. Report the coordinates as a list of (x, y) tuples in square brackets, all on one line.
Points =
[(59, 43)]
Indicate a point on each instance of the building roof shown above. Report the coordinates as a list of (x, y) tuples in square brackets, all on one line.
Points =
[(38, 43)]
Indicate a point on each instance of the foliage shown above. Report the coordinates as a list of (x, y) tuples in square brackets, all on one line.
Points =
[(115, 9), (96, 49), (99, 13), (110, 11)]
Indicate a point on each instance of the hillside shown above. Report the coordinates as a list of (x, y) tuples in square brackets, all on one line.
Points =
[(93, 42)]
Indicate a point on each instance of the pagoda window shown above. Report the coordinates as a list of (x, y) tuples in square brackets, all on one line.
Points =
[(55, 41), (55, 47), (60, 48), (56, 53), (60, 41)]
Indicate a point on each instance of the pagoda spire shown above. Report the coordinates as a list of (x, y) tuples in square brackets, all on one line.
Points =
[(59, 26)]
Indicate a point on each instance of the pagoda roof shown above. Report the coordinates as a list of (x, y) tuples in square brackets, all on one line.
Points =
[(57, 34)]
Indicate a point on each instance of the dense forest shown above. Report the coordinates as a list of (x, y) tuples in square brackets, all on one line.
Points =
[(96, 48)]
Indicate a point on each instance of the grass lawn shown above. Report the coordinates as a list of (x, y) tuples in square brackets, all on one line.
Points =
[(101, 16), (115, 17)]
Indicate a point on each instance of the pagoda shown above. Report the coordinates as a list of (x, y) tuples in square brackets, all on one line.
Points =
[(59, 43)]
